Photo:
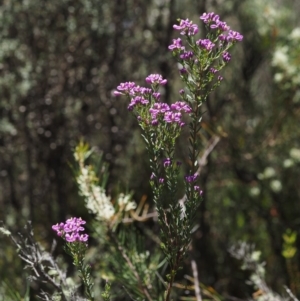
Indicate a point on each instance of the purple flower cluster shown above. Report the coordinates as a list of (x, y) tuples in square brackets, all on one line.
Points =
[(158, 108), (205, 44), (198, 189), (234, 36), (214, 22), (156, 95), (167, 162), (183, 70), (187, 27), (223, 33), (213, 70), (173, 117), (191, 178), (187, 55), (70, 230), (177, 44), (156, 79), (124, 88), (208, 18), (141, 96), (181, 106), (130, 88), (222, 26), (226, 56), (137, 90), (137, 100), (170, 114)]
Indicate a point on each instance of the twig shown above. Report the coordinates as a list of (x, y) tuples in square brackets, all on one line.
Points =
[(196, 281), (290, 293), (138, 218), (202, 161), (30, 252)]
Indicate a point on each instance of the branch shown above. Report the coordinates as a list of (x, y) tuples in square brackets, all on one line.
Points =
[(196, 281), (202, 161)]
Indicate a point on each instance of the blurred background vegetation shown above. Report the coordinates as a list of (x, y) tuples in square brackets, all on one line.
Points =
[(60, 60)]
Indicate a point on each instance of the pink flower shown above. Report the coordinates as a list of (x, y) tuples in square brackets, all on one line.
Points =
[(187, 27), (156, 79), (234, 36), (70, 230), (206, 44), (177, 44)]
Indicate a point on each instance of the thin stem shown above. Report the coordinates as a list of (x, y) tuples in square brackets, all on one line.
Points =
[(85, 278), (169, 288), (172, 275)]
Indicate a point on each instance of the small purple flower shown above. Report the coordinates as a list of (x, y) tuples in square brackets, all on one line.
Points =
[(220, 25), (181, 91), (59, 228), (222, 37), (161, 180), (76, 237), (70, 230), (220, 78), (161, 107), (191, 178), (226, 56), (167, 162), (181, 106), (117, 93), (83, 237), (156, 95), (187, 27), (137, 100), (206, 44), (156, 79), (142, 91), (177, 44), (197, 188), (164, 107), (187, 55), (131, 106), (172, 117), (182, 71), (125, 88), (213, 70), (154, 113), (153, 176), (209, 17), (154, 122), (158, 108), (234, 36)]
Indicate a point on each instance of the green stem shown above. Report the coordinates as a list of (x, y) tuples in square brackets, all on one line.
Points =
[(85, 274), (172, 275), (87, 286)]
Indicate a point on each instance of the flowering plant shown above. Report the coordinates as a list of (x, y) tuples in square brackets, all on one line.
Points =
[(76, 245), (200, 63)]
